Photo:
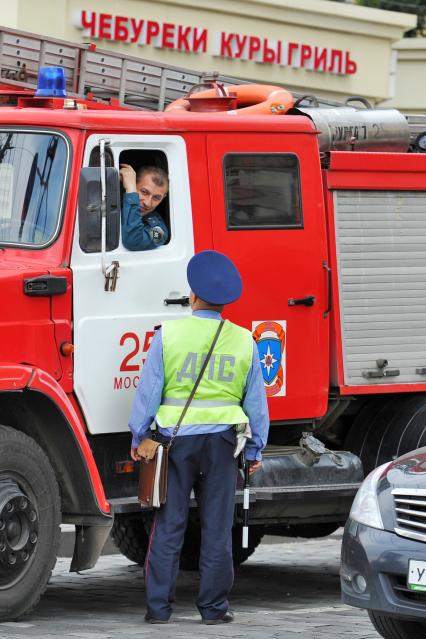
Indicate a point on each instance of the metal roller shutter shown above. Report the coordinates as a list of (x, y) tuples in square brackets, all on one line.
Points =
[(381, 252)]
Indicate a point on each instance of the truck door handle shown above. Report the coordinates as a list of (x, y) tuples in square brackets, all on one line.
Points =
[(183, 301), (309, 300), (45, 286)]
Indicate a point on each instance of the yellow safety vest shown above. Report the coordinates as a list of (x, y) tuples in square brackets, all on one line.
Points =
[(186, 343)]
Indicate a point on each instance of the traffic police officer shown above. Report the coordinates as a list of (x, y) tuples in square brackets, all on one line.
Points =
[(142, 228), (231, 391)]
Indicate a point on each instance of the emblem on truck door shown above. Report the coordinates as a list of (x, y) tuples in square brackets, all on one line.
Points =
[(271, 338)]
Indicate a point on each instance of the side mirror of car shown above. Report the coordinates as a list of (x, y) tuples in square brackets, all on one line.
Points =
[(90, 209)]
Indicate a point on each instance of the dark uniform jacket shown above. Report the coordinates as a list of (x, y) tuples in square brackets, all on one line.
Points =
[(141, 233)]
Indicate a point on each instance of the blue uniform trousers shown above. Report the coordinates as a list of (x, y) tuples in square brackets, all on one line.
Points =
[(205, 463)]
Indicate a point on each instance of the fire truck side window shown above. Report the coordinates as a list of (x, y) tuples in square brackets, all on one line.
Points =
[(33, 178), (262, 191)]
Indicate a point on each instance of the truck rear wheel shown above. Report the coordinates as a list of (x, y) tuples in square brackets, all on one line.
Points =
[(239, 553), (391, 628), (387, 427), (132, 540), (130, 537), (30, 516), (308, 531), (190, 554)]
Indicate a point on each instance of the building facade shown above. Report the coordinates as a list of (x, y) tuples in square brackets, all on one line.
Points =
[(311, 46)]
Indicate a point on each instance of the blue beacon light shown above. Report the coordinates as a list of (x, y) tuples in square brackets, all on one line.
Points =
[(51, 83)]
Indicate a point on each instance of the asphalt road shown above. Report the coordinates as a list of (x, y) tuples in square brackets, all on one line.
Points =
[(285, 590)]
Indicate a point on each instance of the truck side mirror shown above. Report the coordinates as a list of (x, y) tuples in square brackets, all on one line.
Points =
[(89, 209)]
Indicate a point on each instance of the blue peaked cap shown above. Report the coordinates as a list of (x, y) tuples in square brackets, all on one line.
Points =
[(214, 278)]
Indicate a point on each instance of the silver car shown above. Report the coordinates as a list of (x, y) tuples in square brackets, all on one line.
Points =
[(383, 565)]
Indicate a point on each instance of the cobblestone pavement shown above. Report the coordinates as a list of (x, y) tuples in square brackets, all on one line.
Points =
[(285, 590)]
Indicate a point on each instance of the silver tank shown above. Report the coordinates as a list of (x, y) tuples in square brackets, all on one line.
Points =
[(350, 129)]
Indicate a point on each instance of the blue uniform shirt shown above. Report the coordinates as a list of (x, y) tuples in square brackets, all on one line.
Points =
[(141, 233), (149, 393)]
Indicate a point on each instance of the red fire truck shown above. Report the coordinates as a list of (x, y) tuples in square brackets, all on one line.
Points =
[(322, 208)]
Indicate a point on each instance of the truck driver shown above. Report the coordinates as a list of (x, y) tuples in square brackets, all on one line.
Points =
[(142, 228)]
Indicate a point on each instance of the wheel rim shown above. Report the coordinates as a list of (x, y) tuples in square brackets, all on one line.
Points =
[(18, 532)]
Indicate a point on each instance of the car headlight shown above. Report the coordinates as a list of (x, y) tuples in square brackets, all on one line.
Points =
[(365, 508)]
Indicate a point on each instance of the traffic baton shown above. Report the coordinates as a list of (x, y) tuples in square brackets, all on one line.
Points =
[(246, 501)]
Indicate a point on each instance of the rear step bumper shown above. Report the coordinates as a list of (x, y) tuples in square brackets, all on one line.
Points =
[(287, 490)]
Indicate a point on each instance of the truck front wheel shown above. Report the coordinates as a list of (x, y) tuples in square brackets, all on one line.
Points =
[(30, 516)]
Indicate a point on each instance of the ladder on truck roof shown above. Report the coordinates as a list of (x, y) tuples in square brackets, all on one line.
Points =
[(129, 81)]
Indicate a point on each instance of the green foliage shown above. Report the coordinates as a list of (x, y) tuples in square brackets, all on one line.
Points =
[(370, 3), (417, 7), (407, 6)]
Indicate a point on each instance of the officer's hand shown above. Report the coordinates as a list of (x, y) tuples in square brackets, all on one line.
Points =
[(128, 177), (254, 466), (134, 454)]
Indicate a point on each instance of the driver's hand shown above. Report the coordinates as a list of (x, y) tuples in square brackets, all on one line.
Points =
[(128, 177)]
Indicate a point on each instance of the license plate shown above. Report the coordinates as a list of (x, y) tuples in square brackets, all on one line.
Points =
[(416, 579)]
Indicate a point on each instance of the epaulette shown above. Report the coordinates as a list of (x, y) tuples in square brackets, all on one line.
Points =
[(156, 328)]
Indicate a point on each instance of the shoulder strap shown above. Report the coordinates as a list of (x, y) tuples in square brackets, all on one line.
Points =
[(200, 375)]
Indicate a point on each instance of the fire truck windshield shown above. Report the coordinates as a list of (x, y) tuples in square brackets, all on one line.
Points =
[(33, 169)]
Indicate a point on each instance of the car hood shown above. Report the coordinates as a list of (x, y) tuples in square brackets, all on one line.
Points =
[(408, 471)]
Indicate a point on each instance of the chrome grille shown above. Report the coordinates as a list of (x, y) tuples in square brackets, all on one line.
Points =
[(410, 513)]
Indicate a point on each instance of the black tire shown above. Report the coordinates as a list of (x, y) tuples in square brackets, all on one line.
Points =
[(309, 531), (391, 628), (130, 537), (30, 522), (239, 553), (190, 554), (387, 427)]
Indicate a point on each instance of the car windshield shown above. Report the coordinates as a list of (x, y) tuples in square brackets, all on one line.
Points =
[(32, 183)]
